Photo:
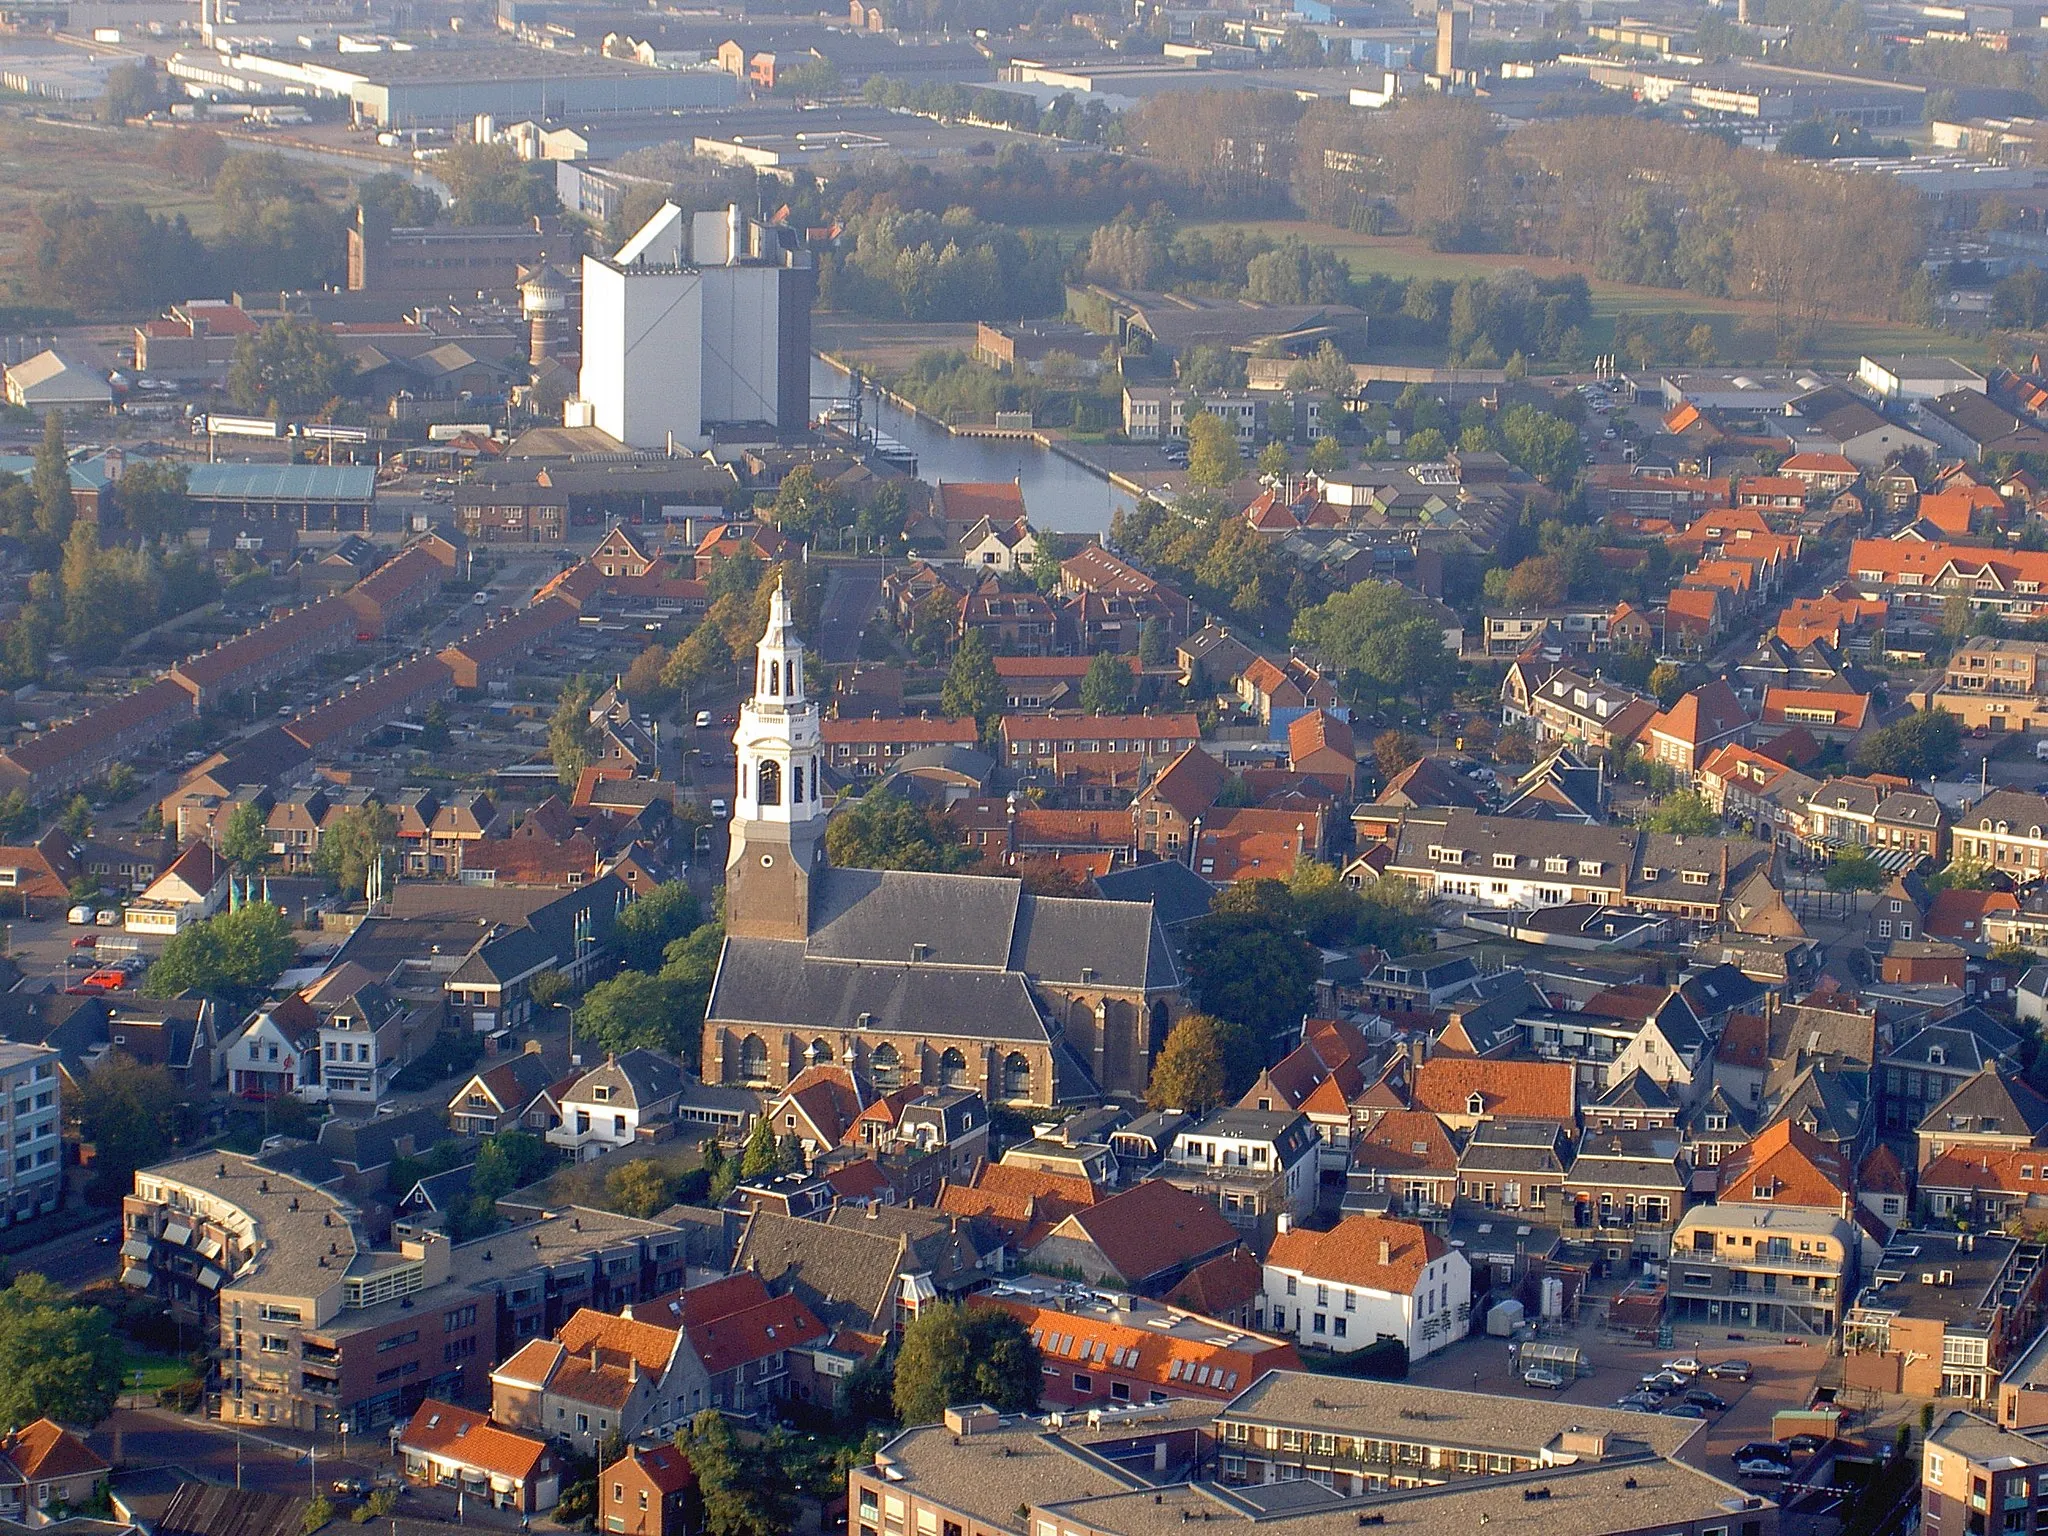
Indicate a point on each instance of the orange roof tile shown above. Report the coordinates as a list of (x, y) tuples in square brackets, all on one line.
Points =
[(462, 1434), (651, 1345), (1785, 1165), (1350, 1253), (1188, 1367), (46, 1449), (1515, 1090)]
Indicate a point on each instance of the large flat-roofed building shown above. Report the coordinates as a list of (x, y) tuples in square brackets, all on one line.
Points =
[(1304, 1455), (456, 82), (693, 324), (316, 1329), (328, 498)]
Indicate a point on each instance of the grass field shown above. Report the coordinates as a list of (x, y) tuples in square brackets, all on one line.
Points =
[(158, 1371), (39, 160), (1741, 329)]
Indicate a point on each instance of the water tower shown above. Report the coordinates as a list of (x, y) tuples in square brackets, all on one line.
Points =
[(542, 298)]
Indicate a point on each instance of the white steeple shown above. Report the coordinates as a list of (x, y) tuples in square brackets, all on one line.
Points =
[(777, 740)]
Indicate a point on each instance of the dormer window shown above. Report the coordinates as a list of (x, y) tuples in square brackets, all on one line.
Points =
[(1651, 872), (602, 1094), (1475, 1104), (1936, 1056), (1503, 861)]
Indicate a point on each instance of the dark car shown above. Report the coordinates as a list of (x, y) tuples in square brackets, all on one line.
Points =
[(1805, 1445), (1708, 1400), (1756, 1449), (1732, 1370)]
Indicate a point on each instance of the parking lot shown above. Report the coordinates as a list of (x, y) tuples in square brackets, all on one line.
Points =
[(1783, 1378)]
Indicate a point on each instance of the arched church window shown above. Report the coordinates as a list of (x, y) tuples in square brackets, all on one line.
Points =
[(770, 783), (796, 785)]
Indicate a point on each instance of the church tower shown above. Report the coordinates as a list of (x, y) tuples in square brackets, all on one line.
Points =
[(778, 816)]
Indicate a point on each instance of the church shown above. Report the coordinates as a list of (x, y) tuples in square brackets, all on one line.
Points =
[(910, 979)]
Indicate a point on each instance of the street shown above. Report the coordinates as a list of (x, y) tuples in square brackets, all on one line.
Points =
[(852, 588)]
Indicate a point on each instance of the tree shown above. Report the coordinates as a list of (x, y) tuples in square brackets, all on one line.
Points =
[(1853, 869), (653, 922), (50, 480), (572, 739), (1213, 459), (245, 841), (1251, 970), (704, 655), (1326, 456), (353, 844), (1155, 645), (1387, 644), (762, 1158), (1203, 1058), (234, 956), (506, 1161), (639, 1188), (154, 499), (57, 1360), (76, 818), (289, 368), (885, 831), (633, 1010), (1683, 811), (1667, 682), (744, 1492), (489, 184), (129, 1113), (1961, 873), (1394, 750), (973, 687), (317, 1513), (134, 89), (1274, 460), (954, 1354), (1107, 687), (643, 682), (721, 1170), (1920, 746)]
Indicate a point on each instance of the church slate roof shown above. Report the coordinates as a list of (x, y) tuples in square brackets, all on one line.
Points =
[(772, 981)]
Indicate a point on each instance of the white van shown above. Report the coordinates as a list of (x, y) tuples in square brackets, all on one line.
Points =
[(2041, 750), (719, 810)]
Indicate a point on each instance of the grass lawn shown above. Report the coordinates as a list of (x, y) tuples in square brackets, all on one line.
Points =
[(1404, 257), (158, 1371), (38, 160)]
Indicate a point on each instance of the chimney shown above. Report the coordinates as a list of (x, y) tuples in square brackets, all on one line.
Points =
[(1386, 1252), (595, 1356), (1283, 1223)]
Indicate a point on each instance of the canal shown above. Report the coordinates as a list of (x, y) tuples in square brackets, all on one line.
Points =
[(1059, 494)]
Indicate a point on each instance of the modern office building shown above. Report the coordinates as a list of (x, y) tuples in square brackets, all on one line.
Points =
[(692, 326), (33, 1180)]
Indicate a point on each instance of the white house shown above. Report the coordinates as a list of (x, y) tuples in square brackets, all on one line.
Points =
[(1366, 1279), (608, 1105), (277, 1052), (362, 1037), (190, 891), (992, 546), (1256, 1165)]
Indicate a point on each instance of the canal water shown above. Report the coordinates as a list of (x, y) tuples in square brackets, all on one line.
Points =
[(1059, 494)]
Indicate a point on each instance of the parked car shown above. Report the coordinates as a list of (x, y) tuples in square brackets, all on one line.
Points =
[(1684, 1365), (351, 1487), (1763, 1466), (1684, 1411), (703, 719), (1732, 1370), (1664, 1381), (1648, 1402), (107, 917), (1540, 1376), (1805, 1445), (79, 914), (1708, 1400), (85, 940), (1762, 1448)]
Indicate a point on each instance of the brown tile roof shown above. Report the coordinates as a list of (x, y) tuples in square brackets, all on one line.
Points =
[(1514, 1090), (463, 1434), (1317, 729), (1190, 783), (666, 1467), (1405, 1141), (968, 501), (1746, 1042), (1150, 1228), (1881, 1173), (531, 1364), (739, 1338), (1349, 1253), (1221, 1286), (939, 732)]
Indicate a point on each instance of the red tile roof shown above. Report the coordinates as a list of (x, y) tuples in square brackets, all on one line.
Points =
[(1183, 1367), (45, 1449), (1514, 1090), (1150, 1228), (740, 1338)]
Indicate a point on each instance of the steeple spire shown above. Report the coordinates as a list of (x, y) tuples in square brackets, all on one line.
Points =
[(778, 820)]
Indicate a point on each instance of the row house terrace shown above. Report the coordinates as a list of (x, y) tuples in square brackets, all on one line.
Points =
[(1034, 742), (1917, 579), (2008, 831), (1570, 707)]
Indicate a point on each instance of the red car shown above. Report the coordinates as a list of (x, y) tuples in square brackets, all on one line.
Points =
[(106, 981), (86, 941)]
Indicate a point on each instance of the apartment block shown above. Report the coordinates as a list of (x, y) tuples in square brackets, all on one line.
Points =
[(1782, 1268)]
